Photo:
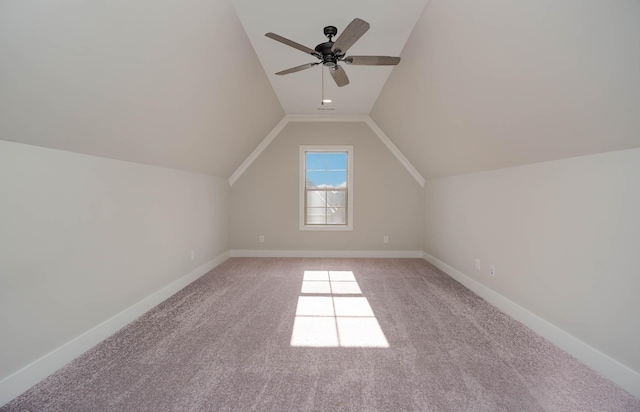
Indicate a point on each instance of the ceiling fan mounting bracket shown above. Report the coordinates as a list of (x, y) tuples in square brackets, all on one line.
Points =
[(330, 31)]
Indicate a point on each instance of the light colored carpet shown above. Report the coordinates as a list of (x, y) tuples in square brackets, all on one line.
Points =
[(225, 343)]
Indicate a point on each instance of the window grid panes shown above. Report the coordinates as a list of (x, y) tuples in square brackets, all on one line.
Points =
[(326, 190)]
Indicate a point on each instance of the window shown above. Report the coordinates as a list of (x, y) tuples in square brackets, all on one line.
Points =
[(326, 187)]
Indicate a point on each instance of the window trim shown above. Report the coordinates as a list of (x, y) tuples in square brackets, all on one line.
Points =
[(302, 182)]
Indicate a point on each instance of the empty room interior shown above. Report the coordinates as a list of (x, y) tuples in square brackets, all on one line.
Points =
[(225, 205)]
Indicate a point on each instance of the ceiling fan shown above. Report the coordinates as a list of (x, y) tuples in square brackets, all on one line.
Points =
[(330, 53)]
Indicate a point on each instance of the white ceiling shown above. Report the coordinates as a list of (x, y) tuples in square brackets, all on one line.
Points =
[(303, 22)]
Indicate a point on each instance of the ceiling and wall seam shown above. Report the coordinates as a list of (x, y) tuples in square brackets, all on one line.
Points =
[(334, 119)]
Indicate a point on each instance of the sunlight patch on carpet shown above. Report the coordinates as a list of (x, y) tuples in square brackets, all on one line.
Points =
[(332, 312)]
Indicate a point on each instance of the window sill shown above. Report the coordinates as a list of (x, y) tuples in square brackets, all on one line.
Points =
[(327, 228)]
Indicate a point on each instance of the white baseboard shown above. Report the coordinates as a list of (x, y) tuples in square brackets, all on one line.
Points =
[(328, 253), (623, 376), (18, 382)]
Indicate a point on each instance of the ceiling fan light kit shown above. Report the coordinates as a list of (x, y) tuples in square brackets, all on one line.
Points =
[(330, 53)]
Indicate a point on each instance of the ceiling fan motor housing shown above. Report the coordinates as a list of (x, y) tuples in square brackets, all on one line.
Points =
[(329, 58)]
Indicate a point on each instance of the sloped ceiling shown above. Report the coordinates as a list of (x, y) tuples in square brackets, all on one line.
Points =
[(162, 82), (482, 84), (495, 83)]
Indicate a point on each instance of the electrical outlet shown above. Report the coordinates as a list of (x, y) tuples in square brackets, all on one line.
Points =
[(261, 240), (385, 239), (492, 271), (477, 264), (193, 254)]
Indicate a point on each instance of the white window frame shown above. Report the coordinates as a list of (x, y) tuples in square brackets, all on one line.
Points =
[(302, 179)]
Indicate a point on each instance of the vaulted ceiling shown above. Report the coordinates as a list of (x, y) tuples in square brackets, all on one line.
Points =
[(481, 85)]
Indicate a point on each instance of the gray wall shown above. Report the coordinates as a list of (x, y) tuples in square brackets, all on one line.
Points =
[(564, 237), (83, 238), (387, 200)]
